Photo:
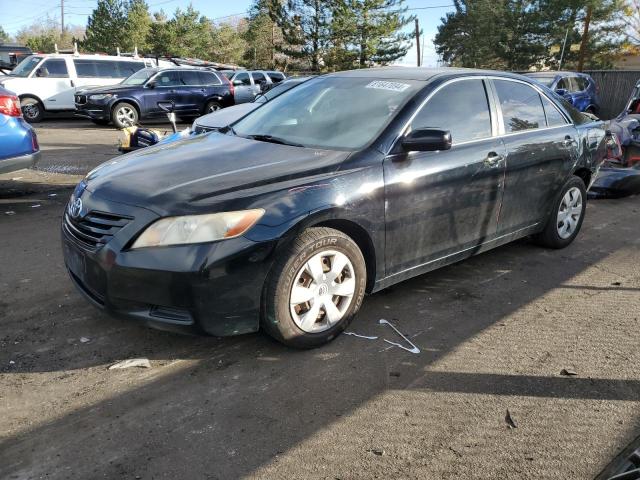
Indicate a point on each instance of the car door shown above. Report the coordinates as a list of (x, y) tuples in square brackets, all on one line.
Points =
[(192, 93), (243, 87), (53, 84), (444, 202), (166, 89), (541, 149)]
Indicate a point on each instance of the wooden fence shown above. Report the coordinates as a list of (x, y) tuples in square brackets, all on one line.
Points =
[(615, 88)]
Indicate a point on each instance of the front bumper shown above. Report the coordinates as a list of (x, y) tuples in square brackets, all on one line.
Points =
[(214, 288), (93, 111), (18, 163)]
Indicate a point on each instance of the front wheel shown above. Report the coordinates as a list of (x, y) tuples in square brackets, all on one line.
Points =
[(32, 110), (212, 107), (124, 115), (315, 289), (566, 217)]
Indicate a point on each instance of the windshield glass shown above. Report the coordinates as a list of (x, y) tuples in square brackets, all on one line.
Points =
[(342, 113), (26, 66), (139, 77), (277, 90)]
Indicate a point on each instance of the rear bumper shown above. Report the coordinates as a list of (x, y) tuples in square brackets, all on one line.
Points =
[(12, 164)]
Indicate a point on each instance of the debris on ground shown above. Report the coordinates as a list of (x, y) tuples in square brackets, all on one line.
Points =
[(376, 451), (10, 212), (567, 372), (413, 348), (367, 337), (510, 422), (37, 205), (616, 284), (394, 374), (132, 362), (84, 340)]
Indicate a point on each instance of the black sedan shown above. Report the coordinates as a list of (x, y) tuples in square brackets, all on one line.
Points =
[(344, 185), (192, 91)]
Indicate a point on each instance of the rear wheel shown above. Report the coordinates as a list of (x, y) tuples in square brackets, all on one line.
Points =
[(566, 217), (124, 115), (32, 110), (315, 289), (212, 106)]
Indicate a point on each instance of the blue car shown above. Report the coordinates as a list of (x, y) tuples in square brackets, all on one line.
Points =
[(192, 91), (18, 141), (578, 88)]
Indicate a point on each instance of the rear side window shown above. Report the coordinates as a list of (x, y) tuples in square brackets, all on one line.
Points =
[(276, 77), (563, 84), (461, 108), (207, 78), (54, 68), (107, 69), (85, 68), (243, 77), (521, 106), (168, 79), (190, 78), (554, 117), (128, 68), (258, 77)]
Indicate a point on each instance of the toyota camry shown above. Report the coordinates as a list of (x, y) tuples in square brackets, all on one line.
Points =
[(347, 184)]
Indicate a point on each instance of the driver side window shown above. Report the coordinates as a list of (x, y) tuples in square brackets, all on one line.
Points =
[(461, 108)]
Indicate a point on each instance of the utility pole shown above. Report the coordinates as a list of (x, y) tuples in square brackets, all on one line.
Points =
[(585, 37), (62, 15), (566, 35), (418, 41)]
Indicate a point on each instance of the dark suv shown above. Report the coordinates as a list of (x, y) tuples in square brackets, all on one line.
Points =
[(193, 91)]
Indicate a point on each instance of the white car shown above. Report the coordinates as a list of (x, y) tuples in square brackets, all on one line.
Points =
[(47, 82)]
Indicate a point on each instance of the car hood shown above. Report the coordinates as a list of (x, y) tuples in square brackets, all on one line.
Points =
[(226, 116), (190, 175), (106, 89)]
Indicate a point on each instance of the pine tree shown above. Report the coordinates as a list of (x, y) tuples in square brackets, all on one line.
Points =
[(107, 27), (138, 25), (4, 36)]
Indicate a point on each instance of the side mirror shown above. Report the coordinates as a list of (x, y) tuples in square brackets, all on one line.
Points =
[(426, 140), (151, 84), (237, 83)]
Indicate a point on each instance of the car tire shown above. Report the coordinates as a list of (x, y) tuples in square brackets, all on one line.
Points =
[(124, 115), (566, 216), (100, 122), (32, 109), (211, 107), (322, 251)]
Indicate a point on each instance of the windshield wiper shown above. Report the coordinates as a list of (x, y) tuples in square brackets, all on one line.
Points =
[(272, 139)]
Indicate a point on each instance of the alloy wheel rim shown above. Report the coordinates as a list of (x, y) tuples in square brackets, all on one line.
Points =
[(569, 213), (322, 291), (125, 115), (30, 111), (214, 108)]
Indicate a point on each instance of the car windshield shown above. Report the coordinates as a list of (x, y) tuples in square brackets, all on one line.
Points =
[(139, 77), (26, 66), (333, 112)]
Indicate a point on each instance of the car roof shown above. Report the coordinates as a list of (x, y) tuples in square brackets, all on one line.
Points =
[(419, 73), (562, 73), (89, 56)]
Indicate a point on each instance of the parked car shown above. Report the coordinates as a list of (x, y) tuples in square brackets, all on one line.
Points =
[(48, 82), (19, 141), (250, 83), (222, 118), (347, 184), (194, 91), (11, 54), (578, 88)]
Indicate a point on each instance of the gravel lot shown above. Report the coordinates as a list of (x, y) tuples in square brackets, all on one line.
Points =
[(495, 333)]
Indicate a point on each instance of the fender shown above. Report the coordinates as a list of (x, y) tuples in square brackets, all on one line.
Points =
[(130, 100)]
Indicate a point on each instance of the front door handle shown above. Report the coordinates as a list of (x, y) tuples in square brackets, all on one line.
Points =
[(493, 159), (568, 141)]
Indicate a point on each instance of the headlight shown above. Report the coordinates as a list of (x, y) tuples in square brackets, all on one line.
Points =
[(198, 228), (100, 96)]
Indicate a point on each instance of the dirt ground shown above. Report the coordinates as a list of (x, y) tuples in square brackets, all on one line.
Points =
[(494, 333)]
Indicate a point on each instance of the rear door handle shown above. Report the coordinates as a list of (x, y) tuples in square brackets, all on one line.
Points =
[(568, 141), (493, 159)]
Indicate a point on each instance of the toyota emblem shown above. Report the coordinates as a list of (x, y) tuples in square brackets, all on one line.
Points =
[(75, 207)]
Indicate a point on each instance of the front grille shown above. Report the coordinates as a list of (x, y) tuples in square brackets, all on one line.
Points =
[(95, 228), (81, 99)]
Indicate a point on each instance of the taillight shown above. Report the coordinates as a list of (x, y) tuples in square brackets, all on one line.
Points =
[(34, 141), (10, 105)]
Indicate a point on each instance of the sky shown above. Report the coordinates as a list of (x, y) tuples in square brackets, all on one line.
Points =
[(18, 14)]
